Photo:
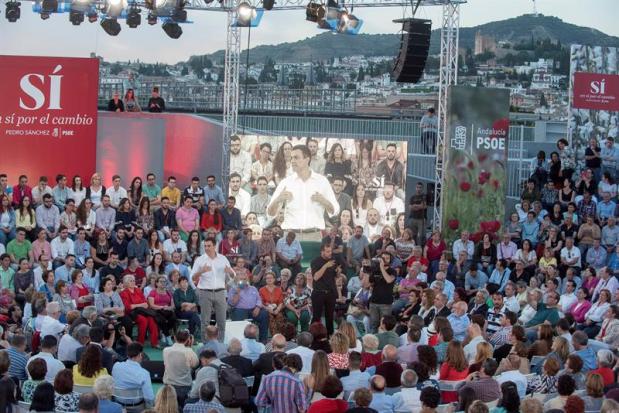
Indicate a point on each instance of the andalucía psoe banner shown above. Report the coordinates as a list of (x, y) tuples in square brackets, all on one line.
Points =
[(475, 169), (48, 117)]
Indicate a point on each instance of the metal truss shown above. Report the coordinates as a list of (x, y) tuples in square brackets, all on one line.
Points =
[(231, 87), (448, 76), (301, 4)]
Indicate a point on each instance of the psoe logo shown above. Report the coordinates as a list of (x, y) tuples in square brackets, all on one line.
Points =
[(44, 91), (598, 87)]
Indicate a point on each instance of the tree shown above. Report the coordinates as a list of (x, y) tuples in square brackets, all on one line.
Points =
[(268, 73), (115, 69), (361, 74), (184, 71)]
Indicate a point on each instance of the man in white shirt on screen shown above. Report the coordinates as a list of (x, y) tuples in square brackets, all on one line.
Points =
[(240, 160), (209, 276), (388, 205), (304, 196), (243, 199)]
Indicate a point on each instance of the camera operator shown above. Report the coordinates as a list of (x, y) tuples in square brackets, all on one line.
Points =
[(382, 279), (324, 293)]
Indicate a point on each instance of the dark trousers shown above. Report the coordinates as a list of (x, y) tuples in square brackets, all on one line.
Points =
[(323, 302), (428, 142)]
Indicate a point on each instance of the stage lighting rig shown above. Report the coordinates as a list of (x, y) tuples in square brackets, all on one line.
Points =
[(246, 12), (268, 4), (348, 23), (111, 26), (152, 18), (76, 17), (48, 7), (92, 16), (13, 11), (114, 8), (172, 29), (134, 17), (314, 12)]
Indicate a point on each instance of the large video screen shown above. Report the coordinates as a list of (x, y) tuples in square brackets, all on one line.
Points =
[(309, 184)]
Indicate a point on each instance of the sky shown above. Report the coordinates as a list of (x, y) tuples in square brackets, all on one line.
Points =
[(57, 37)]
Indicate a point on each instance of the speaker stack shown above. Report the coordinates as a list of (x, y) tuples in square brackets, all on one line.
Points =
[(414, 47)]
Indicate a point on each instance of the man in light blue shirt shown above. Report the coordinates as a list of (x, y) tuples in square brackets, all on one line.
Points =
[(213, 191), (60, 192), (64, 271), (448, 287), (606, 208), (252, 349), (408, 399), (610, 157), (596, 255), (579, 341), (610, 235), (289, 253), (129, 375), (500, 275), (459, 320), (530, 228), (356, 379), (475, 280), (381, 402)]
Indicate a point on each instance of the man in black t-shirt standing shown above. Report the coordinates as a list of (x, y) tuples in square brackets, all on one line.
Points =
[(324, 292), (417, 215), (382, 291)]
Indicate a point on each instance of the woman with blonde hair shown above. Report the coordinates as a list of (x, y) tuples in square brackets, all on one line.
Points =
[(484, 352), (96, 190), (559, 350), (531, 405), (338, 358), (354, 344), (166, 402), (594, 387), (316, 379)]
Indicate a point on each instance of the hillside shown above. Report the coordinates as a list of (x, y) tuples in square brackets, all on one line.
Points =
[(327, 45)]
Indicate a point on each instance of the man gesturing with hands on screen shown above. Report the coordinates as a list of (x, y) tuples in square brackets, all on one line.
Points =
[(209, 276), (304, 196)]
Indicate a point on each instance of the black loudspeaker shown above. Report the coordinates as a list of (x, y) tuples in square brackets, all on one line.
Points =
[(155, 368), (414, 46)]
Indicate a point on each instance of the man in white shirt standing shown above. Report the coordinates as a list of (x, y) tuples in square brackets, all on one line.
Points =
[(50, 325), (464, 244), (304, 196), (116, 192), (209, 276), (243, 198), (389, 206)]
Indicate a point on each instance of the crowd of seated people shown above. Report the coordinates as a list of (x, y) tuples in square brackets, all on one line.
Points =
[(520, 319)]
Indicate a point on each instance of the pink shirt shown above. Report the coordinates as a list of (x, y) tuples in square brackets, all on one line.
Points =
[(578, 310), (39, 248), (163, 300), (187, 218)]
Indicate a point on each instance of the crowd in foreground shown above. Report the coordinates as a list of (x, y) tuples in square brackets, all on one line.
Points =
[(519, 320)]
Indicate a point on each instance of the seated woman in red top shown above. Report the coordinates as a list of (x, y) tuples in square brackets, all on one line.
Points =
[(331, 389), (272, 298), (606, 362), (211, 218), (454, 368), (229, 246), (161, 301), (79, 291), (370, 356), (136, 307), (433, 250)]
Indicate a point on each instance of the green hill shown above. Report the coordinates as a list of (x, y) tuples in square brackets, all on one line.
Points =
[(327, 45)]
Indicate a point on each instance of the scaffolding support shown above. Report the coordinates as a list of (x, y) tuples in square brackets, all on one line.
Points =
[(448, 76), (231, 88)]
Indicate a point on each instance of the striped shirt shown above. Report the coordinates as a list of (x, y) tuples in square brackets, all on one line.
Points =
[(283, 392), (17, 367)]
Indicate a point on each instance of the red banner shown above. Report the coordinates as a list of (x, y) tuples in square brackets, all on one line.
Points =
[(596, 91), (48, 116)]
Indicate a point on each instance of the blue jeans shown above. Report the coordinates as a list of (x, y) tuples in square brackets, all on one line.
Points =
[(6, 237), (262, 320)]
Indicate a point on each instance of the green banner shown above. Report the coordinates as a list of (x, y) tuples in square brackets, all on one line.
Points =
[(476, 165)]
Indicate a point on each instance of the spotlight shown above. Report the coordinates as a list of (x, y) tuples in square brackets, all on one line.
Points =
[(172, 29), (134, 18), (76, 17), (246, 12), (12, 12), (92, 16), (151, 19), (179, 14), (111, 26), (113, 8), (268, 4), (48, 7), (314, 12)]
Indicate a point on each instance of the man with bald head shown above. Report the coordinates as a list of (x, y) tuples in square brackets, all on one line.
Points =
[(459, 320), (390, 369), (242, 364), (381, 402), (264, 364)]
